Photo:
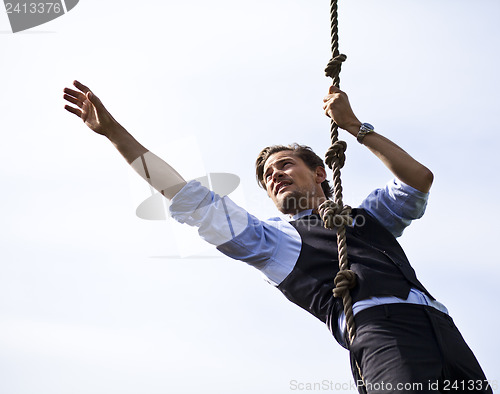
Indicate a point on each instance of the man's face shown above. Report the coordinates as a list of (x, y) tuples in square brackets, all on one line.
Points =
[(291, 184)]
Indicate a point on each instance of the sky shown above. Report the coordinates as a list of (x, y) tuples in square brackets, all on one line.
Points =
[(95, 300)]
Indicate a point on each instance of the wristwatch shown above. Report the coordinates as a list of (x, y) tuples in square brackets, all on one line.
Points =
[(366, 128)]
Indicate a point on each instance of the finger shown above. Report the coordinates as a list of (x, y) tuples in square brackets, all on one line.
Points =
[(331, 96), (78, 95), (73, 100), (81, 86), (328, 102), (75, 111)]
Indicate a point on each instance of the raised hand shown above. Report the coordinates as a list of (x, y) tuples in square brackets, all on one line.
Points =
[(337, 106), (90, 109)]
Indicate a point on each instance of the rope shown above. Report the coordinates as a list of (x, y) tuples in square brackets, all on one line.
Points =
[(334, 213)]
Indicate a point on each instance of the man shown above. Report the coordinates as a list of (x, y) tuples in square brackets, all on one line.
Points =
[(405, 340)]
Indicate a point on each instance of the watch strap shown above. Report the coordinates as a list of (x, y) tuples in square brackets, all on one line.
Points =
[(366, 128)]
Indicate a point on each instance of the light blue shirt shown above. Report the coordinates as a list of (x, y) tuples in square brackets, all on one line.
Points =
[(273, 246)]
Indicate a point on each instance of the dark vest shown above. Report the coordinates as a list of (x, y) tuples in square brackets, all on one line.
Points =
[(378, 260)]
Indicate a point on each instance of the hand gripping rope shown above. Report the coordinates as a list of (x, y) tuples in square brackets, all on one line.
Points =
[(334, 213)]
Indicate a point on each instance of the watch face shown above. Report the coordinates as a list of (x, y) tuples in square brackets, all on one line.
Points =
[(366, 128)]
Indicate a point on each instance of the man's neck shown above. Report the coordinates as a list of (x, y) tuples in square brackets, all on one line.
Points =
[(313, 208)]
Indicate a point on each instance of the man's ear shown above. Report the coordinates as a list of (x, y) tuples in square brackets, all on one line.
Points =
[(320, 174)]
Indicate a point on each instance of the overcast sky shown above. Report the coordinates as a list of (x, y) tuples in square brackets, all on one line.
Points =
[(95, 300)]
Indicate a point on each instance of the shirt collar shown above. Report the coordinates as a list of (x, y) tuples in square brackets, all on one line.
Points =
[(302, 214)]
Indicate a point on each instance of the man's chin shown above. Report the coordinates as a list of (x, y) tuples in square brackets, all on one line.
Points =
[(288, 202)]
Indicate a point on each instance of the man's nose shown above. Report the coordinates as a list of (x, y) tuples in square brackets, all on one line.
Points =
[(277, 175)]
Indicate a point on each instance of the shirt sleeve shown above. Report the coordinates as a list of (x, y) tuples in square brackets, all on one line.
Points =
[(396, 205), (272, 246)]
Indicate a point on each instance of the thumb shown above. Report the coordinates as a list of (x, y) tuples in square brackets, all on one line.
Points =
[(94, 99), (333, 89)]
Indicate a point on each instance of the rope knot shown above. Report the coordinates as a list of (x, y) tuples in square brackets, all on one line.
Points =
[(332, 70), (336, 154), (334, 215), (344, 281)]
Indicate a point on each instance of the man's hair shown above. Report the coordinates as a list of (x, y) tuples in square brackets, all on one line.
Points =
[(311, 159)]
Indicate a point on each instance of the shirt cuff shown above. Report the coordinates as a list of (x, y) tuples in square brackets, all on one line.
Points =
[(218, 219), (188, 200), (396, 205)]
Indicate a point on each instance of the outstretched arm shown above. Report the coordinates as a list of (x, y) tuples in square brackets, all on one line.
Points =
[(154, 170), (401, 164)]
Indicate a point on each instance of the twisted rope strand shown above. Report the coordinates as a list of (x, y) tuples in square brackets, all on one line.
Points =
[(334, 213)]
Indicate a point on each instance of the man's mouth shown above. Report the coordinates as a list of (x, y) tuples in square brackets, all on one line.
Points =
[(280, 186)]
